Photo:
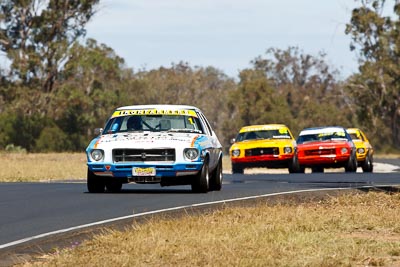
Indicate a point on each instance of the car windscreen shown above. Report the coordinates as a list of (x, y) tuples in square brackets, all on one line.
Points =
[(262, 134), (153, 123), (323, 136)]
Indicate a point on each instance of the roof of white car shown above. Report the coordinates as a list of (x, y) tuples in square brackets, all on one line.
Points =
[(158, 106)]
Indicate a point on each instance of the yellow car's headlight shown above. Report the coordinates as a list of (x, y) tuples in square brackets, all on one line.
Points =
[(287, 150), (236, 152)]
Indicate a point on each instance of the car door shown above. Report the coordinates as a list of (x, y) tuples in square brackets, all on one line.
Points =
[(215, 146)]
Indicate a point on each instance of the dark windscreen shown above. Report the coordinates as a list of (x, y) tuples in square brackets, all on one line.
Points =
[(262, 134), (323, 136)]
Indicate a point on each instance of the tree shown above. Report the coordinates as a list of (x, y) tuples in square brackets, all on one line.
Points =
[(35, 35), (93, 82), (290, 87), (204, 87), (258, 101), (376, 89)]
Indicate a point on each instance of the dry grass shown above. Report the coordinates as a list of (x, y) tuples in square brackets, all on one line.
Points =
[(44, 167), (387, 156), (356, 230), (359, 230), (23, 167)]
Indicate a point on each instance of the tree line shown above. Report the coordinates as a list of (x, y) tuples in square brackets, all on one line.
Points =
[(58, 89)]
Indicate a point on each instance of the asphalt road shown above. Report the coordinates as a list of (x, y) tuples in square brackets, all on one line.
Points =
[(30, 209)]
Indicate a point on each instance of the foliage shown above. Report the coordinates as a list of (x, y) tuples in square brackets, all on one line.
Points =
[(59, 89), (52, 139), (95, 81), (35, 35), (375, 91), (20, 129), (206, 88), (258, 102), (290, 87), (15, 149)]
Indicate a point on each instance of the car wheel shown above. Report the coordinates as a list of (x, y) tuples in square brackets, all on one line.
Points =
[(202, 180), (237, 168), (351, 164), (95, 184), (367, 165), (317, 169), (216, 177), (113, 185), (294, 166)]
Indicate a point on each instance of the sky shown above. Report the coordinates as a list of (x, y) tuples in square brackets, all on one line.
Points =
[(225, 34)]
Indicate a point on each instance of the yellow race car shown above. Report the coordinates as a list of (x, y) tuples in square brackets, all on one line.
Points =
[(270, 146), (364, 150)]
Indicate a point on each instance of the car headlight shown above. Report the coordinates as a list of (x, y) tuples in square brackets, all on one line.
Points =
[(191, 153), (236, 152), (287, 150), (97, 154), (361, 151), (344, 150)]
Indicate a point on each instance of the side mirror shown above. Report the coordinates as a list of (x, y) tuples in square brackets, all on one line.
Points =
[(233, 140), (98, 131)]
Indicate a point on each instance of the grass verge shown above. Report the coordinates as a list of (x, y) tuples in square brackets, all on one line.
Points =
[(26, 167), (348, 230), (46, 167)]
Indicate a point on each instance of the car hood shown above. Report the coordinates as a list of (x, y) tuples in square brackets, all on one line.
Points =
[(264, 143), (147, 140)]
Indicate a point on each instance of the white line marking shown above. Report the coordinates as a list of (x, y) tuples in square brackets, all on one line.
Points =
[(20, 241)]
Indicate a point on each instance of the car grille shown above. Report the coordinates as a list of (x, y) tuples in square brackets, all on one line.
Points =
[(143, 155), (318, 152), (262, 151)]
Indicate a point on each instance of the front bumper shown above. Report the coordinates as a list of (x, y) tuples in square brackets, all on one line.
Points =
[(124, 170), (324, 161), (269, 161)]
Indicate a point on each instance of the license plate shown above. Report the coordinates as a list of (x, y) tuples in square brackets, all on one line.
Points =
[(150, 171)]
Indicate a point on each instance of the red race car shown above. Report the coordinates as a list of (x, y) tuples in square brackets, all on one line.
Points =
[(326, 147)]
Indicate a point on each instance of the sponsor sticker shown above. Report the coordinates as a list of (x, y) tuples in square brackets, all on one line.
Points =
[(283, 131), (262, 127), (169, 112)]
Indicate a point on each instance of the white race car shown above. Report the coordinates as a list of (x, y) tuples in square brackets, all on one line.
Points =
[(165, 144)]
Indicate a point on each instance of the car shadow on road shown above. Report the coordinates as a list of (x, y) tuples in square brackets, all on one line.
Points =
[(147, 191)]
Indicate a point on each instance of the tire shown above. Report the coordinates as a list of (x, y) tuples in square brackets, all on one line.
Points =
[(317, 169), (294, 166), (216, 177), (237, 168), (113, 185), (351, 164), (367, 165), (95, 184), (202, 180)]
